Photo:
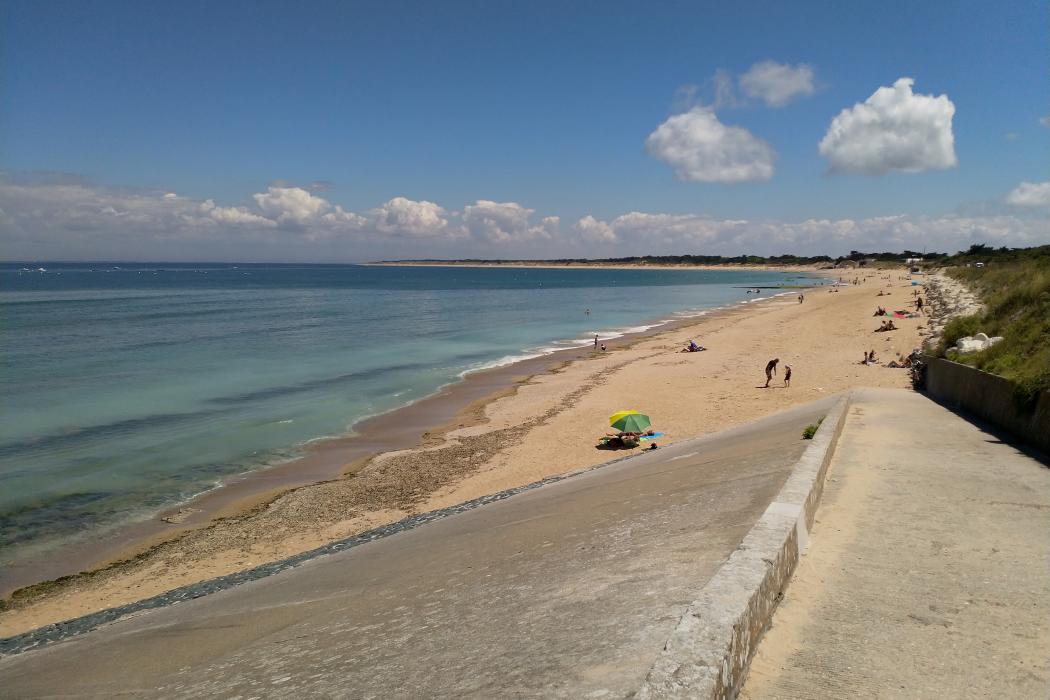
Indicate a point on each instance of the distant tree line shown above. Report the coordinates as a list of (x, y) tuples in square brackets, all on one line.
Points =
[(976, 253)]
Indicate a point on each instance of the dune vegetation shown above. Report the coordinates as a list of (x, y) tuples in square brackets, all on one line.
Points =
[(1016, 296)]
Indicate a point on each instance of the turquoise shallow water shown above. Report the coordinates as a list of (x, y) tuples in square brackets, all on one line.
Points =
[(128, 388)]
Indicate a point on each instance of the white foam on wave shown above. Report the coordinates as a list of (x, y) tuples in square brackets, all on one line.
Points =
[(604, 335), (559, 345), (696, 313), (508, 360), (637, 329)]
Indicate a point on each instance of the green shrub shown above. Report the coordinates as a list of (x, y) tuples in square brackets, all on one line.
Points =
[(811, 430)]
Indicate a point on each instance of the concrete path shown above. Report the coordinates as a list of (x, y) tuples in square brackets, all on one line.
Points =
[(568, 590), (928, 570)]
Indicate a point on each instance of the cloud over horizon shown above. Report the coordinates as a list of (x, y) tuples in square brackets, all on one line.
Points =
[(1030, 194), (76, 220), (504, 222), (690, 233), (699, 147), (893, 130), (404, 217)]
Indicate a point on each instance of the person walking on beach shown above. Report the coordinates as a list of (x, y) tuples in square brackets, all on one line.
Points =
[(771, 369), (595, 341), (787, 375)]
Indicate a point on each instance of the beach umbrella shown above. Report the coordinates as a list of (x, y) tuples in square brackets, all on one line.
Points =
[(632, 423), (620, 414)]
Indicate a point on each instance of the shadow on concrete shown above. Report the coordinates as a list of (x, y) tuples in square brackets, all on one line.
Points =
[(1001, 435)]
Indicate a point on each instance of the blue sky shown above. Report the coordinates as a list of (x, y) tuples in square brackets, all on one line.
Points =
[(286, 113)]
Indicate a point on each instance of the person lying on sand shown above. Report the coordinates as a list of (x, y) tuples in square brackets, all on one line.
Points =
[(693, 347), (623, 439), (629, 434), (901, 362)]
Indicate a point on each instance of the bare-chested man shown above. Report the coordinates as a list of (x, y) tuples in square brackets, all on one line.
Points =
[(771, 369)]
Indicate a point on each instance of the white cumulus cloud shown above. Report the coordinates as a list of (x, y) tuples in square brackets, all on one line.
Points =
[(505, 222), (228, 215), (594, 231), (894, 129), (637, 233), (548, 228), (1030, 194), (290, 205), (776, 84), (75, 220), (408, 217), (701, 148)]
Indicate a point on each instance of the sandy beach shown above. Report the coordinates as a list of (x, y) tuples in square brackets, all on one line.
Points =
[(546, 423)]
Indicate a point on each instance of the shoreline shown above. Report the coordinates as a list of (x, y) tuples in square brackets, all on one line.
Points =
[(324, 459), (537, 424)]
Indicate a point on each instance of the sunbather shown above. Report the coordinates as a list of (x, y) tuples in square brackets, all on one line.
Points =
[(886, 326)]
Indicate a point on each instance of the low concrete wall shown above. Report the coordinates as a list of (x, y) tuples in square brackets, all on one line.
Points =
[(990, 398), (709, 651)]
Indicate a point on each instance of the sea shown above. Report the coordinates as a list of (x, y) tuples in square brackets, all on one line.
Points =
[(128, 388)]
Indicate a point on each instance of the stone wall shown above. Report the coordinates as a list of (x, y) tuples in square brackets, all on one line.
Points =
[(990, 398), (708, 653)]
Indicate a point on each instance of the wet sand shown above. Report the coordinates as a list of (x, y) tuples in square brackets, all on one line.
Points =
[(322, 461), (496, 430)]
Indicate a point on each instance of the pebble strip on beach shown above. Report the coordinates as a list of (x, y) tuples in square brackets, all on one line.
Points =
[(946, 299)]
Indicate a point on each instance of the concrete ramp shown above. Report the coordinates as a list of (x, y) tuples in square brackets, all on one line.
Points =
[(567, 590), (928, 568)]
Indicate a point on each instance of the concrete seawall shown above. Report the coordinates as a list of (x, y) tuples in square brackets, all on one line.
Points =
[(990, 398), (565, 589), (709, 651)]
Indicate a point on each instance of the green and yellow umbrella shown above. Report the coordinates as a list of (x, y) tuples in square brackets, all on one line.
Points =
[(632, 423), (620, 414)]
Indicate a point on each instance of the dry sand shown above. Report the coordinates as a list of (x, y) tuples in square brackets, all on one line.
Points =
[(548, 425)]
